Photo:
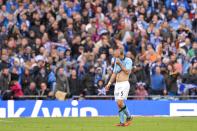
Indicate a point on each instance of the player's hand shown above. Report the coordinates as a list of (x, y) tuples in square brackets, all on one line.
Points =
[(118, 62), (107, 87)]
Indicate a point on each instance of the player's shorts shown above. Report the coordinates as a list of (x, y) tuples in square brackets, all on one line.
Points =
[(121, 90)]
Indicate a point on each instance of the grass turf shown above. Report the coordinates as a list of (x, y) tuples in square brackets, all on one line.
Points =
[(99, 124)]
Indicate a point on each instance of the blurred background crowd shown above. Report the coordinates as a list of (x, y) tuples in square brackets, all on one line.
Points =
[(49, 46)]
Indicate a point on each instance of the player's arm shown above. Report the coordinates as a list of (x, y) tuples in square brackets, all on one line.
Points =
[(126, 69), (112, 79)]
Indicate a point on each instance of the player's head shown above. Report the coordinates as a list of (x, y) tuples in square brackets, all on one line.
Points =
[(119, 52)]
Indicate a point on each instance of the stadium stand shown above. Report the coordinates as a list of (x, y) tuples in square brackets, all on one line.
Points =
[(66, 46)]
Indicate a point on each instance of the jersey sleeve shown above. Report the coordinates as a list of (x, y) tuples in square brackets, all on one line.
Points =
[(129, 64)]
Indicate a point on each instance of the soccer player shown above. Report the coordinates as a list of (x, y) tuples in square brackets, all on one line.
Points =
[(121, 72)]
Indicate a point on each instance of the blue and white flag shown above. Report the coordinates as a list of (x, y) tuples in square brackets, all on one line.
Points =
[(182, 88)]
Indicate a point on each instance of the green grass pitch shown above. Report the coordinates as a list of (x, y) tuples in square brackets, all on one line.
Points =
[(99, 124)]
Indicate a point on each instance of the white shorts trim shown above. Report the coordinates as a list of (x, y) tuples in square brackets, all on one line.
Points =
[(121, 90)]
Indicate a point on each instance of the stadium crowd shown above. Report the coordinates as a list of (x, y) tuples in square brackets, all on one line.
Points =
[(49, 46)]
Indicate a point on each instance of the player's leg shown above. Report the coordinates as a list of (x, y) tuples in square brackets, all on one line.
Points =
[(128, 115), (125, 108), (120, 104), (126, 111), (125, 95)]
